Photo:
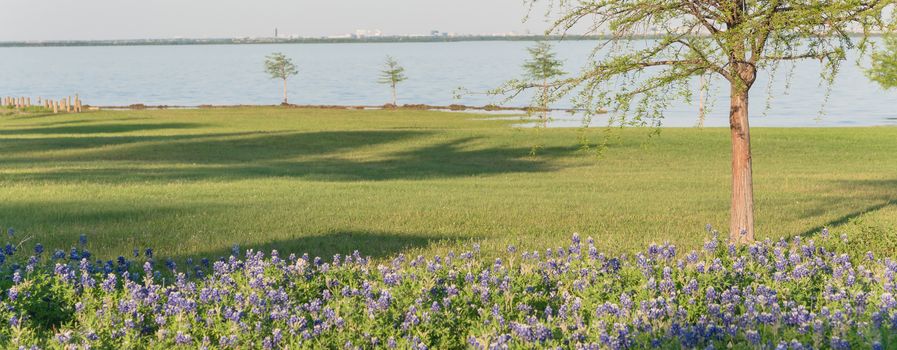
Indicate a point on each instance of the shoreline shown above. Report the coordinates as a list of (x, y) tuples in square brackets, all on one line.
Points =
[(421, 107), (390, 39)]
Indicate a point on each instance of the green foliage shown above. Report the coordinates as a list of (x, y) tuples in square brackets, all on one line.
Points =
[(47, 304), (279, 66), (393, 73), (884, 64), (543, 63), (732, 39)]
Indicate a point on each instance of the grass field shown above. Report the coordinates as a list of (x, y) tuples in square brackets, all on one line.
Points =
[(194, 182)]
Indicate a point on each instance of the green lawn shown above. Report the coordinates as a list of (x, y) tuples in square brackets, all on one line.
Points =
[(194, 182)]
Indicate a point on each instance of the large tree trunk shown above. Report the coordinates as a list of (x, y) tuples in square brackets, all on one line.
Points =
[(741, 226), (285, 92)]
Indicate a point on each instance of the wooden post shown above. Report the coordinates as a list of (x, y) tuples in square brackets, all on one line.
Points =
[(55, 107), (77, 104)]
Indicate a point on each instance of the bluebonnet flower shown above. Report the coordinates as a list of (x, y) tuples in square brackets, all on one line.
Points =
[(183, 339), (74, 254), (274, 303), (711, 245), (752, 336), (109, 283), (64, 337)]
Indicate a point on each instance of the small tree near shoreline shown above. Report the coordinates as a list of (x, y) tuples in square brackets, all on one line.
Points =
[(393, 74), (542, 67), (279, 66)]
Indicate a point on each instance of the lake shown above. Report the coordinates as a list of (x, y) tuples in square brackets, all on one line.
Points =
[(347, 74)]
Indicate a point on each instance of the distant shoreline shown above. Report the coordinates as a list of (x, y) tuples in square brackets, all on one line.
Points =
[(422, 107), (263, 41)]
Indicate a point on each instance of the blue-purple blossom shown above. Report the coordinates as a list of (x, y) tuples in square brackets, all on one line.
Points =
[(734, 295)]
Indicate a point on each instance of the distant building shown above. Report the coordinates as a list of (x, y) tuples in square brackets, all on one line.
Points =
[(365, 33)]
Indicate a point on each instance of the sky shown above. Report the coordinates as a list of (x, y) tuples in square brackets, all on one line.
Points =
[(31, 20)]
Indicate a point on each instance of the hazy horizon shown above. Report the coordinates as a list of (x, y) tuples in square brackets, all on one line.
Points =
[(27, 20)]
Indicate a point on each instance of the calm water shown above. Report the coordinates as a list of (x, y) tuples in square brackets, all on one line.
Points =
[(346, 74)]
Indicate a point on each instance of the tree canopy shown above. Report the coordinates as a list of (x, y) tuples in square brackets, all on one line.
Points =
[(732, 39), (543, 63), (279, 66), (392, 72)]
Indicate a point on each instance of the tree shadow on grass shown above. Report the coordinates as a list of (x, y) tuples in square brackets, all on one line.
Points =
[(57, 225), (309, 155), (90, 148), (106, 128), (367, 243), (111, 231), (882, 191)]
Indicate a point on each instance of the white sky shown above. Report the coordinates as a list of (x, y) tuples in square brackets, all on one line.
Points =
[(133, 19)]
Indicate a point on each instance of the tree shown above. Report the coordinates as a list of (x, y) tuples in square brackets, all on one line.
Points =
[(884, 64), (543, 67), (393, 74), (731, 39), (280, 66)]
